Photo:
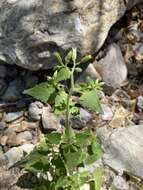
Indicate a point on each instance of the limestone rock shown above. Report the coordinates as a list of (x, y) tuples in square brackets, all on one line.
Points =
[(30, 31), (112, 67), (35, 110), (49, 121), (123, 149)]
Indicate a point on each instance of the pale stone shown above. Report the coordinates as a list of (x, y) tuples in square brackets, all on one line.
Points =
[(30, 31), (123, 149)]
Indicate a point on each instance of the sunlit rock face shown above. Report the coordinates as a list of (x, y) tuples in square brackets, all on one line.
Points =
[(30, 31)]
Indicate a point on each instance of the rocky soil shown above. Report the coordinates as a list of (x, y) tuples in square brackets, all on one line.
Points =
[(23, 120)]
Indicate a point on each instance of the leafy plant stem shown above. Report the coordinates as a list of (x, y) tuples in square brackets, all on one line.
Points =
[(69, 131)]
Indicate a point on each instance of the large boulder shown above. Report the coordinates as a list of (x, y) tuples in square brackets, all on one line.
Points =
[(30, 31), (123, 149)]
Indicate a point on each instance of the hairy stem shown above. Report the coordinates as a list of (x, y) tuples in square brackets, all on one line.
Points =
[(69, 130)]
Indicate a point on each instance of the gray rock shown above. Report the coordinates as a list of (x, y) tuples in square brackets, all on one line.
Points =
[(3, 86), (35, 110), (112, 68), (107, 113), (12, 72), (30, 31), (2, 125), (24, 137), (11, 116), (13, 155), (10, 138), (1, 153), (79, 122), (140, 102), (3, 71), (138, 51), (30, 81), (123, 149), (119, 183), (85, 115), (27, 148), (23, 126), (91, 72), (14, 90), (49, 121)]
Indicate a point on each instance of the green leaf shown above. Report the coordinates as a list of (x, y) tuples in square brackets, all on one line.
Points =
[(96, 149), (38, 166), (53, 138), (73, 159), (58, 58), (60, 168), (63, 74), (74, 110), (41, 91), (74, 54), (90, 100), (83, 139), (62, 182), (94, 153), (61, 98), (85, 59), (68, 57), (98, 178), (41, 187)]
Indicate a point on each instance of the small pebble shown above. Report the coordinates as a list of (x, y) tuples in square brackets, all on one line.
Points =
[(9, 117), (140, 102), (49, 121), (24, 137), (85, 115), (3, 140), (35, 110), (13, 155), (2, 125), (27, 148), (107, 113), (120, 184)]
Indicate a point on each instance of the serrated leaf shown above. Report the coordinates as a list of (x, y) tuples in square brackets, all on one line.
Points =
[(38, 167), (63, 74), (61, 98), (90, 100), (95, 152), (68, 57), (96, 149), (73, 159), (58, 58), (98, 178), (63, 182), (53, 138), (83, 138), (59, 164), (41, 92), (91, 159)]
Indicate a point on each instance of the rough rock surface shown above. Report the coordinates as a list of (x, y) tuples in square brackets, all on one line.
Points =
[(30, 31), (123, 149), (112, 67)]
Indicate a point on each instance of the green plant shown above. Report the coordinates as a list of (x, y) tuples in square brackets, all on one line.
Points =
[(58, 158)]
